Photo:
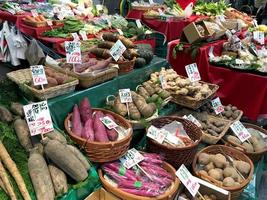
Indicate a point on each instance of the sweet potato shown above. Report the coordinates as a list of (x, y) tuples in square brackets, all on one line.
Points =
[(106, 44), (100, 53), (99, 128), (23, 133), (85, 110), (5, 115), (40, 177), (112, 134), (76, 122), (51, 82), (59, 179), (62, 156), (55, 135), (101, 65), (88, 130), (80, 156), (17, 109)]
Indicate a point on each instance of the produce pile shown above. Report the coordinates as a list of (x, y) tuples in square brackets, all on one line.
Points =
[(210, 8), (206, 196)]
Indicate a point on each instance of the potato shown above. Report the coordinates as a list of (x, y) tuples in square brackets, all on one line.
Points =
[(260, 146), (218, 123), (17, 109), (203, 172), (219, 160), (5, 115), (242, 166), (230, 172), (203, 158), (248, 147), (216, 174), (209, 166), (233, 139), (51, 82), (228, 182)]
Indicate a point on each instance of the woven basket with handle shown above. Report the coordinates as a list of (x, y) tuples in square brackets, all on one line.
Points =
[(103, 152), (125, 66), (176, 156), (231, 152)]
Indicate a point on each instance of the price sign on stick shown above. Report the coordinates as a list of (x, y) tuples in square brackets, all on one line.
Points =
[(73, 52), (38, 75), (83, 35), (38, 118), (155, 134), (217, 105), (34, 13), (131, 158), (138, 23), (151, 1), (108, 122), (259, 37), (75, 36), (125, 95), (192, 72), (120, 31), (49, 22), (240, 131), (163, 82), (117, 50), (192, 119), (188, 180)]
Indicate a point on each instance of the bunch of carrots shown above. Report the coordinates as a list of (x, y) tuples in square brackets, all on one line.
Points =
[(39, 18)]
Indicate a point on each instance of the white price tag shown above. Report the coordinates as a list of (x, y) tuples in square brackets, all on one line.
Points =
[(131, 158), (188, 180), (228, 34), (193, 119), (38, 118), (117, 50), (221, 18), (73, 52), (255, 23), (75, 36), (125, 95), (259, 37), (217, 105), (155, 134), (211, 55), (34, 13), (38, 75), (49, 22), (119, 31), (192, 72), (83, 35), (163, 82), (240, 131), (109, 22), (160, 12), (55, 9), (239, 61), (138, 23), (109, 123)]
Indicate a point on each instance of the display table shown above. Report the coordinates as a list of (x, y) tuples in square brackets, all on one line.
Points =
[(135, 14), (15, 19), (245, 90)]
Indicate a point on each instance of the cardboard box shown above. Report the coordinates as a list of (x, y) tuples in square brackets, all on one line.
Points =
[(192, 34), (102, 194)]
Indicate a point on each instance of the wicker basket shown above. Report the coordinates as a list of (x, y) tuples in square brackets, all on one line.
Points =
[(232, 152), (125, 66), (254, 156), (103, 152), (210, 139), (23, 76), (176, 156), (169, 194), (35, 24), (192, 103)]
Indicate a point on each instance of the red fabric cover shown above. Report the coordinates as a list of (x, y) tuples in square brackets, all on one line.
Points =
[(245, 90), (135, 14), (16, 19), (184, 3)]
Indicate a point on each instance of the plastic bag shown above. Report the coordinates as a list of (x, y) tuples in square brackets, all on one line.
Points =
[(34, 53), (21, 45)]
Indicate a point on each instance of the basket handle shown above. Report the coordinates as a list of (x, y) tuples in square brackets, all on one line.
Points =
[(138, 86), (108, 101)]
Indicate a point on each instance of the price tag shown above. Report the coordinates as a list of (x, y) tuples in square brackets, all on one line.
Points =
[(163, 82), (228, 34), (75, 36), (259, 37), (160, 12), (188, 180), (83, 35), (55, 9), (131, 158), (155, 134), (193, 119), (255, 23), (221, 18), (49, 22), (61, 16), (117, 50), (239, 61), (38, 75), (119, 31), (172, 139), (151, 2), (192, 72), (138, 23), (108, 122), (73, 52), (34, 13), (217, 105), (125, 95), (211, 55), (38, 118), (109, 22), (240, 130)]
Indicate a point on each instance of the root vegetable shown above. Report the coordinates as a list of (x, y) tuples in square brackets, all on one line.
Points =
[(85, 110), (216, 174), (203, 172), (56, 135), (88, 130), (106, 44), (99, 128), (80, 156), (112, 134), (3, 186), (5, 115), (230, 172), (100, 65), (209, 166), (59, 180), (134, 113), (40, 176), (119, 107), (23, 133), (142, 91), (204, 158), (101, 53), (248, 147), (149, 88), (76, 122), (233, 139), (17, 109), (147, 110), (242, 166), (62, 156), (219, 160), (228, 182)]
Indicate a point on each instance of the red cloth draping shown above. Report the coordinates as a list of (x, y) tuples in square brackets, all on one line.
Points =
[(135, 14), (245, 90), (184, 3), (15, 19)]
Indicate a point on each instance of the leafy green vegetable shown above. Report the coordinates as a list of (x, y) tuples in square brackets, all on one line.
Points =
[(210, 8)]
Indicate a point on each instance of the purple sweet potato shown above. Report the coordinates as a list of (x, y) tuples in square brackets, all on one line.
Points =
[(120, 169), (145, 193), (76, 121), (85, 110), (138, 185), (112, 134), (88, 130), (99, 128)]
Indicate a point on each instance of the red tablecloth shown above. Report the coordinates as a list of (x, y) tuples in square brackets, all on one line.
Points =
[(184, 3), (245, 90), (135, 14), (15, 19)]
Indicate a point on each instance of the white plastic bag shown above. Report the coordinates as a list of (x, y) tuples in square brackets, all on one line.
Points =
[(21, 45)]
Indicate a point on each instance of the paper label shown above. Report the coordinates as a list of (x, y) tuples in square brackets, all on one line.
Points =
[(125, 95), (172, 139), (259, 37), (38, 118), (239, 61), (155, 134), (163, 82), (255, 23), (34, 13), (73, 52), (138, 23), (75, 36), (188, 180), (211, 55), (55, 9), (49, 22), (117, 50), (120, 31), (151, 2), (192, 72), (160, 12), (221, 18), (192, 119), (109, 22), (131, 158), (217, 105), (83, 35), (38, 75), (108, 122), (240, 131), (60, 16)]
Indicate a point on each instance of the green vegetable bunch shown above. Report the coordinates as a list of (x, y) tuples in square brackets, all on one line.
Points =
[(211, 8)]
